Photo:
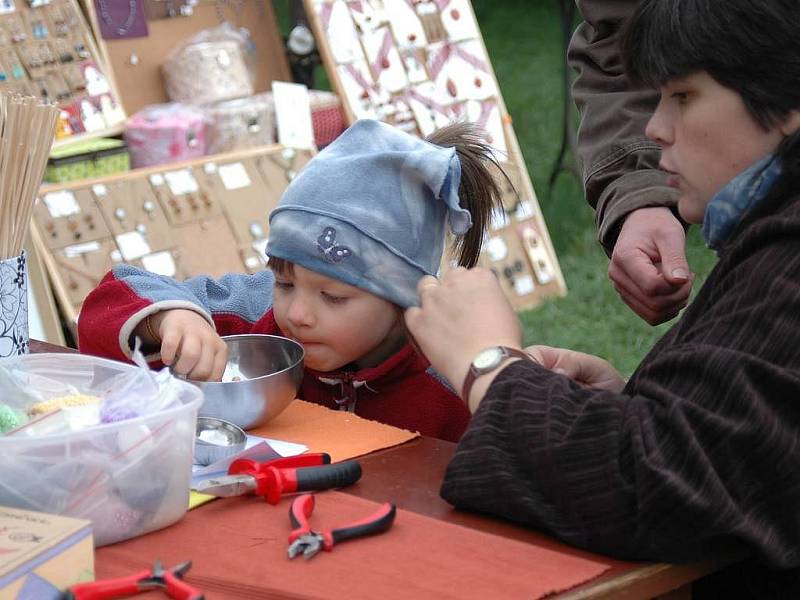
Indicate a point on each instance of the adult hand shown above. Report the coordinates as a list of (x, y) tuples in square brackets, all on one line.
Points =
[(648, 266), (585, 369), (459, 316), (190, 345)]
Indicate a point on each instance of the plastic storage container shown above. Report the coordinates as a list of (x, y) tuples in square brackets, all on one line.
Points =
[(129, 477)]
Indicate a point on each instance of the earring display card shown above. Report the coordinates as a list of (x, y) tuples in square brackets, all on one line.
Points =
[(421, 65), (46, 50), (163, 219)]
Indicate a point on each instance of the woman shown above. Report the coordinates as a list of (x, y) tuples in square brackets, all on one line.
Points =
[(699, 452)]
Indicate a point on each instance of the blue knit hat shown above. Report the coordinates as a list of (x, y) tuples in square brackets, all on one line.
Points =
[(371, 210)]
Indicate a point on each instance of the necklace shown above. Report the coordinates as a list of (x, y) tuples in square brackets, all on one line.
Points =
[(122, 29)]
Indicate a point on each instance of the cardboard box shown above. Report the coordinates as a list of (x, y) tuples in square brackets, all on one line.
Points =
[(41, 554)]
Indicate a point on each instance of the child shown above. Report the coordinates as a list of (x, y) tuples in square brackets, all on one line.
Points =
[(696, 456), (351, 237)]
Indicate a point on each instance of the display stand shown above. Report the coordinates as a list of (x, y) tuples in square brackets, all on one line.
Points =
[(420, 65), (137, 61), (163, 219)]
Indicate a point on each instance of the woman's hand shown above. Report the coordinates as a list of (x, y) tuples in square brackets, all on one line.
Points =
[(585, 369), (190, 345), (459, 316)]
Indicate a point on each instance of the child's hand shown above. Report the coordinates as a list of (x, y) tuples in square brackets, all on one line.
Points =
[(190, 345)]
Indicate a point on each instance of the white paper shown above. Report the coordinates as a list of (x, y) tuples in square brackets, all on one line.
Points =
[(524, 210), (524, 285), (408, 29), (458, 21), (160, 263), (157, 179), (387, 68), (367, 14), (132, 245), (99, 190), (458, 76), (496, 248), (360, 99), (210, 168), (341, 33), (61, 204), (234, 176), (79, 249), (293, 115), (260, 246), (181, 182)]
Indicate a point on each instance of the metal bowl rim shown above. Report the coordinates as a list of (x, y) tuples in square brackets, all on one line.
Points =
[(299, 361)]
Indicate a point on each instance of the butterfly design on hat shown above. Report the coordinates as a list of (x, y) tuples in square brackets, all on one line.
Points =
[(326, 244)]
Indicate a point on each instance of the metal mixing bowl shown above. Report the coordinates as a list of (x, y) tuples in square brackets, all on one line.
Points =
[(270, 368)]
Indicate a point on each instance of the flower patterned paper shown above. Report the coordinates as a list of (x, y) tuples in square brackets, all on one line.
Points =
[(13, 307)]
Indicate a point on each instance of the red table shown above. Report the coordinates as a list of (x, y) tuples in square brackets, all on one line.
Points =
[(411, 474)]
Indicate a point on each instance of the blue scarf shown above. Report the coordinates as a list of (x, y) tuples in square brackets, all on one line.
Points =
[(737, 199)]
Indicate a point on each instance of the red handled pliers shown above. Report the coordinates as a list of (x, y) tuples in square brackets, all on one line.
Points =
[(170, 580), (309, 542), (272, 479)]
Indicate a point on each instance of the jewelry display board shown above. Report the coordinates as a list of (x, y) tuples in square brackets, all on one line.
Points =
[(163, 219), (136, 60), (47, 51), (419, 65)]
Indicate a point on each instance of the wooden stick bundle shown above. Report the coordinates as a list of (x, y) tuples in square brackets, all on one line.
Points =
[(27, 127)]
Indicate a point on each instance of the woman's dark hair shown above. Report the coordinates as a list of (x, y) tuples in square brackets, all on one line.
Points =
[(478, 192), (749, 46)]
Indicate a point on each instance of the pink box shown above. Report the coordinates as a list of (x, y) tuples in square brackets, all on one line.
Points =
[(165, 133)]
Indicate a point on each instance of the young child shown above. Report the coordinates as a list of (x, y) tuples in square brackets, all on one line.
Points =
[(351, 237), (696, 456)]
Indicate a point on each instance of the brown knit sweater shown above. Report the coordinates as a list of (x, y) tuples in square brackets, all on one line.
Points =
[(701, 450)]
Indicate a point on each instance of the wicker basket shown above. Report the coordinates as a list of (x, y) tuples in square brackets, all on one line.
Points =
[(206, 72)]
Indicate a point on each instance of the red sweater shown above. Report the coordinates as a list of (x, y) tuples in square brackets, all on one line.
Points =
[(403, 391)]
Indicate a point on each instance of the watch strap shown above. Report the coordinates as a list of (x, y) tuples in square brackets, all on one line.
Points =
[(473, 373)]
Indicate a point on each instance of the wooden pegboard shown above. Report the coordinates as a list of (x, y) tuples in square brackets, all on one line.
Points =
[(163, 219)]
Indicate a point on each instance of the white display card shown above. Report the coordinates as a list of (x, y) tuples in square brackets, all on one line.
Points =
[(132, 245), (160, 263), (181, 182), (234, 176), (293, 115), (61, 204)]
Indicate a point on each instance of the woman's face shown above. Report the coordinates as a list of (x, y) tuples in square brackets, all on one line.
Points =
[(707, 138)]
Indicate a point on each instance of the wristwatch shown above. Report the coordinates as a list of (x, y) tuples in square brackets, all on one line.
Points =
[(487, 361)]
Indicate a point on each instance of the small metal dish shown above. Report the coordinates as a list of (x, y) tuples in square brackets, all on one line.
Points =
[(216, 439)]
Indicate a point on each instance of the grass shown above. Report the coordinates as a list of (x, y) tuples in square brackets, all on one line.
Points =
[(524, 41)]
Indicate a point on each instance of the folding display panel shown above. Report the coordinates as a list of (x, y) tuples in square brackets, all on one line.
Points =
[(163, 219), (420, 65)]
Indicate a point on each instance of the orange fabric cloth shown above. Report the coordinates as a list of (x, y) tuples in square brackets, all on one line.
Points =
[(341, 434), (238, 550)]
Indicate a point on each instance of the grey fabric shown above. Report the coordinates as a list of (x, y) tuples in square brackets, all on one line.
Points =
[(371, 210)]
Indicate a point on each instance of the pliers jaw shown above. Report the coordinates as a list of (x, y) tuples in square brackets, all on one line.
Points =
[(309, 544)]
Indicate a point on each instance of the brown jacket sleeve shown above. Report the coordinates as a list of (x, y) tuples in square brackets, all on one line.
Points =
[(619, 164), (699, 452)]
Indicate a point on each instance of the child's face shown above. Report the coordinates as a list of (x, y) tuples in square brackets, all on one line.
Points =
[(707, 138), (337, 324)]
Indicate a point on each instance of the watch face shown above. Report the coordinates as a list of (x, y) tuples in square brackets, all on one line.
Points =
[(488, 358)]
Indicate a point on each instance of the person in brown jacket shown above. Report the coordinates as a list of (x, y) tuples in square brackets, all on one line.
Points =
[(634, 207), (697, 455)]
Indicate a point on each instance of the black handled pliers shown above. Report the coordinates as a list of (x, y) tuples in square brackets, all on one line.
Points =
[(309, 542)]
